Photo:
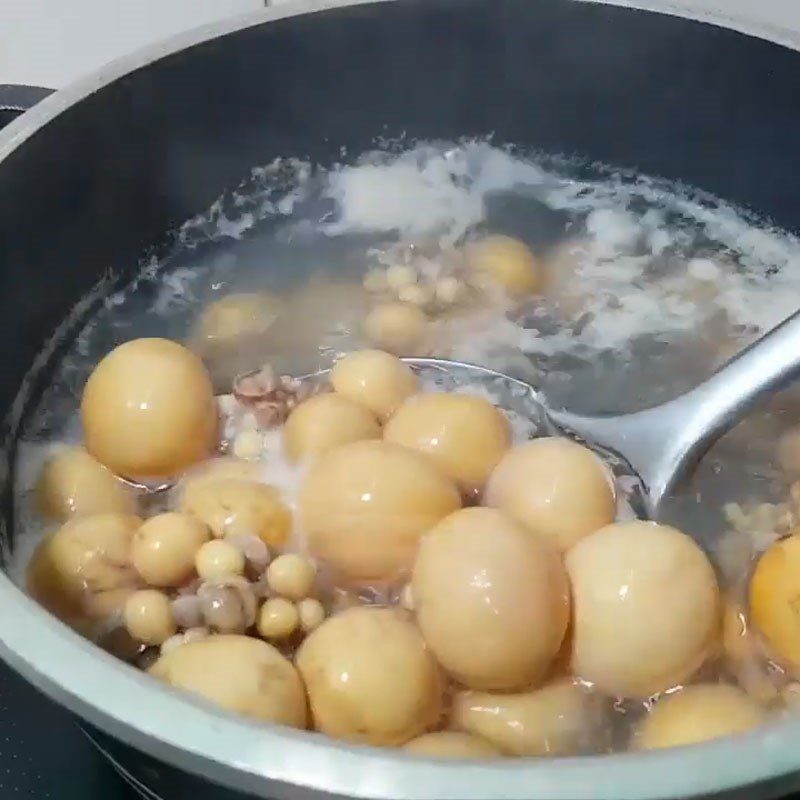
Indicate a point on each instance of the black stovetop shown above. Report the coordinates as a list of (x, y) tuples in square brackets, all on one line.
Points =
[(44, 755)]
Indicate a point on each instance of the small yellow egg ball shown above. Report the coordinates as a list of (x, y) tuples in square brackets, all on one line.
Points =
[(164, 548), (73, 484), (148, 410), (370, 677), (242, 314), (376, 380), (697, 714), (491, 599), (775, 600), (278, 618), (451, 744), (311, 613), (558, 719), (646, 608), (219, 559), (556, 488), (400, 328), (506, 263), (86, 557), (465, 435), (236, 506), (239, 673), (291, 575), (324, 422), (148, 617), (365, 506)]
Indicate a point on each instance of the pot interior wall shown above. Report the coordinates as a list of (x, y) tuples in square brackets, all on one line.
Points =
[(109, 177)]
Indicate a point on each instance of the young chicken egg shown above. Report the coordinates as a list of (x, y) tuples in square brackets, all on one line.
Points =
[(233, 317), (218, 559), (451, 744), (148, 617), (697, 714), (555, 487), (236, 506), (400, 328), (506, 263), (324, 422), (491, 600), (291, 575), (645, 608), (370, 677), (148, 410), (376, 380), (558, 719), (85, 558), (365, 505), (163, 549), (311, 614), (775, 600), (239, 673), (464, 435), (73, 484), (278, 618)]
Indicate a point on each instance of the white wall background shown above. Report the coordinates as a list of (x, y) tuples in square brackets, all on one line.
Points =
[(51, 42)]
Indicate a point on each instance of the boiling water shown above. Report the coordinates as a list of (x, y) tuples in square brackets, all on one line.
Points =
[(651, 285)]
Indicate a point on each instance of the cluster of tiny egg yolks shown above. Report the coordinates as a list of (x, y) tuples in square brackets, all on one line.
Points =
[(148, 410), (412, 489)]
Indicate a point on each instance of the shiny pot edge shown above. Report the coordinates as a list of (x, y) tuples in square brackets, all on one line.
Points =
[(275, 762)]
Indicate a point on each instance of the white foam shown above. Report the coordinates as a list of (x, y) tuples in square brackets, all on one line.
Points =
[(610, 277)]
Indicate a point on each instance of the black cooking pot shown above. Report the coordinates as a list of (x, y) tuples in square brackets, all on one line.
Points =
[(96, 176)]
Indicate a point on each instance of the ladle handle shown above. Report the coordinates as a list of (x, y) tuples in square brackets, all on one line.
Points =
[(665, 443)]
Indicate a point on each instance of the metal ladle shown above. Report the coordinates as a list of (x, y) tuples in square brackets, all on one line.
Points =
[(662, 445)]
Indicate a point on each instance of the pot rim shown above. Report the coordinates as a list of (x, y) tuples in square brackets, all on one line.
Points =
[(258, 758)]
